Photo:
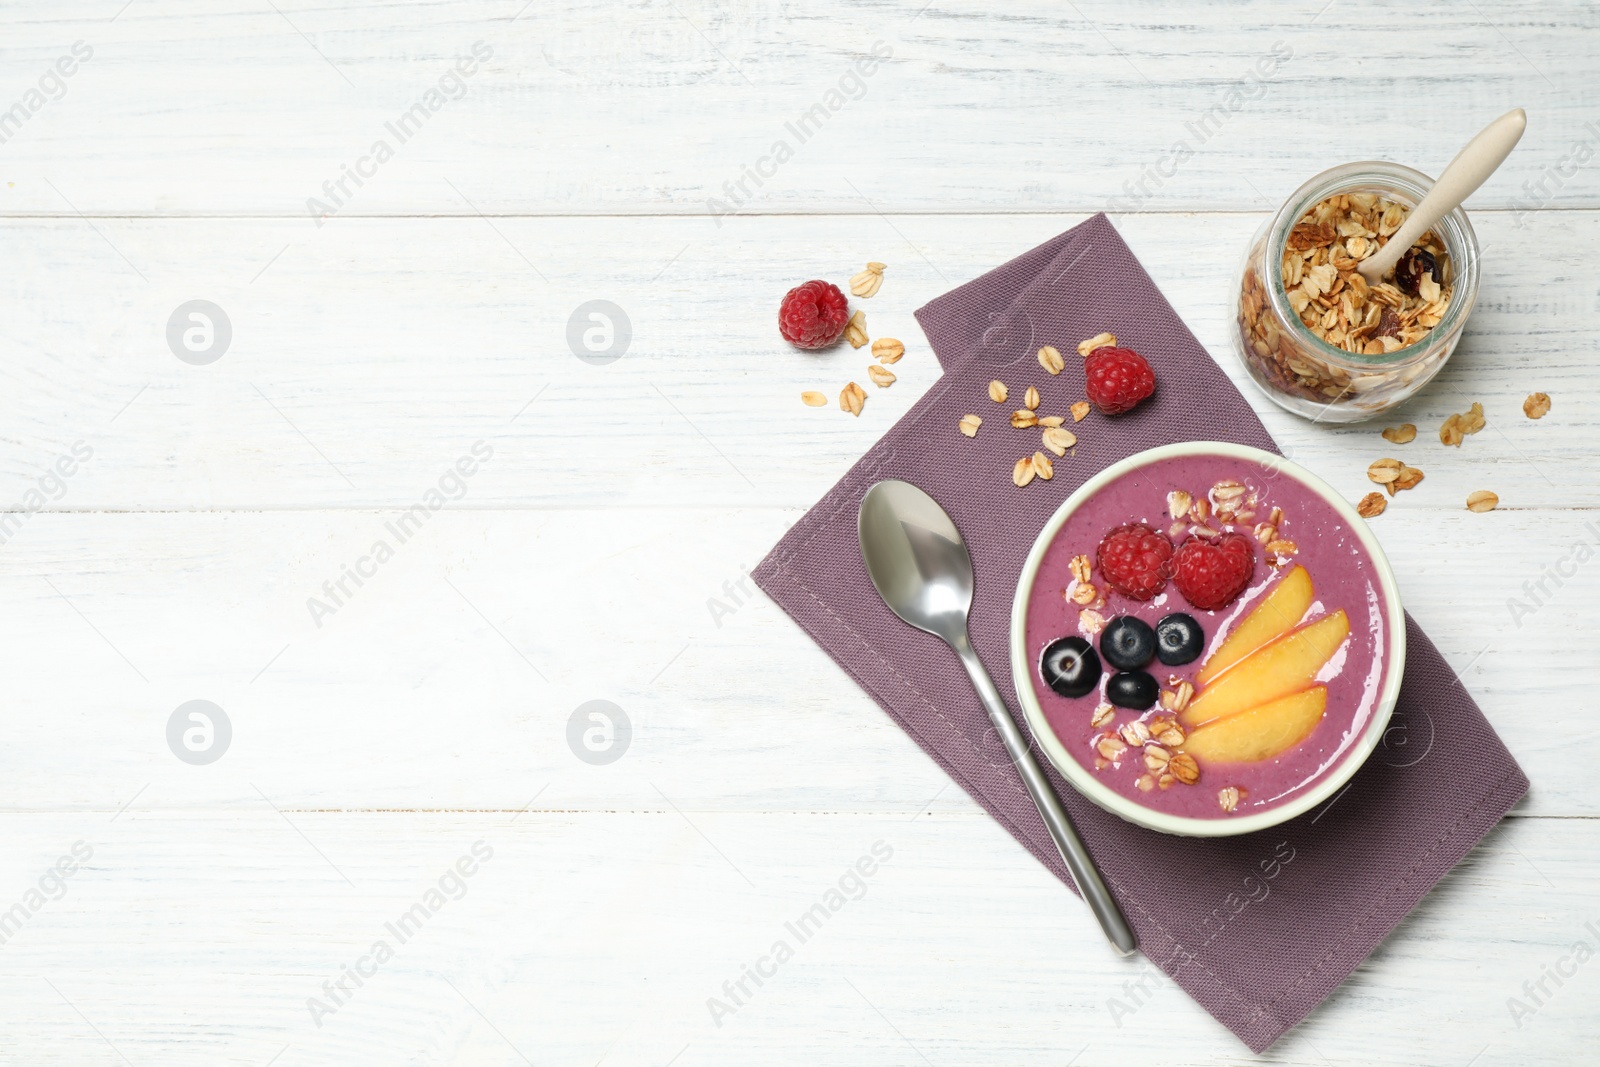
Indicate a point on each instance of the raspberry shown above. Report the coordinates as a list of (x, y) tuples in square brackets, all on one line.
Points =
[(1210, 574), (813, 315), (1116, 379), (1133, 560)]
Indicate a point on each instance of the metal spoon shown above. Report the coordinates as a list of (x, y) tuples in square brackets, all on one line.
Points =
[(1472, 166), (921, 568)]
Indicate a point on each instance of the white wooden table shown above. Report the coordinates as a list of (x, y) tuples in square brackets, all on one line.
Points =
[(599, 552)]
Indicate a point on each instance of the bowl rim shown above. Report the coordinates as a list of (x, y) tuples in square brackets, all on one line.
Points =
[(1080, 777)]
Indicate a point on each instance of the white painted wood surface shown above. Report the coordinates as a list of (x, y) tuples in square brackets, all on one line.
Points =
[(430, 711)]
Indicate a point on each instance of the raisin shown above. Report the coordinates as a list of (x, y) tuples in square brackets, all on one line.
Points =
[(1388, 324), (1412, 266)]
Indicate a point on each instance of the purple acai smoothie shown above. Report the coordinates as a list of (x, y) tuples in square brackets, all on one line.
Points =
[(1270, 673)]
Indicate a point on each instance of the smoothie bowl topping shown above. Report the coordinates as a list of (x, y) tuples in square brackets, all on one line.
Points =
[(1204, 640)]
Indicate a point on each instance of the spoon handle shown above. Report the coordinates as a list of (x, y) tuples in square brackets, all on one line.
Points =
[(1073, 853), (1480, 158)]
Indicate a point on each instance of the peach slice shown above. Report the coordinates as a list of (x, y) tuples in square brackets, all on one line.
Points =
[(1276, 615), (1285, 666), (1261, 732)]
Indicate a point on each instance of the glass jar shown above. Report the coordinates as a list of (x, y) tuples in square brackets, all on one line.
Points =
[(1300, 371)]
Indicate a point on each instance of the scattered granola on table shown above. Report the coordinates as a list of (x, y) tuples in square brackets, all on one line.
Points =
[(1410, 478), (1394, 475), (1371, 506), (1455, 428), (1384, 471), (1403, 434), (852, 398), (855, 329), (867, 283)]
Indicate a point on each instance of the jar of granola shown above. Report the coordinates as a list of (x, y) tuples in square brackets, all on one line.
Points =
[(1314, 335)]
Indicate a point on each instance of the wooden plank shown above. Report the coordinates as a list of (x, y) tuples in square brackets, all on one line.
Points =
[(209, 107), (594, 937), (366, 359), (448, 677)]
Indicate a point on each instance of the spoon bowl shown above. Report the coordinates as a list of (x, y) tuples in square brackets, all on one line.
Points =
[(916, 558)]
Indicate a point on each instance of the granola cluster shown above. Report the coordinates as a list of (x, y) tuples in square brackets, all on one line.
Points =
[(1336, 304), (1156, 743)]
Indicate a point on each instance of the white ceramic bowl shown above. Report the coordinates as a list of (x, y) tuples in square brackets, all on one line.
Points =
[(1082, 778)]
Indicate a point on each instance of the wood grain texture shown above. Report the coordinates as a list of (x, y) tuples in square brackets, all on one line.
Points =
[(594, 937), (621, 107), (367, 357), (596, 151), (446, 680)]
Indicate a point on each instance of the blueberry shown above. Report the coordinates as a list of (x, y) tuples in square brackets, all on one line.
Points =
[(1132, 689), (1070, 666), (1179, 639), (1127, 643)]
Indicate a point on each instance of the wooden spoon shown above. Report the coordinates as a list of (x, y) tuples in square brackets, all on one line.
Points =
[(1473, 164)]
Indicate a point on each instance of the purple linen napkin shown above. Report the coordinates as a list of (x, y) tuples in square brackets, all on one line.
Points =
[(1260, 928)]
